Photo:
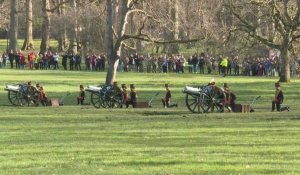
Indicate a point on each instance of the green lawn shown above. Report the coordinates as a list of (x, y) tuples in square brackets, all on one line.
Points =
[(83, 140), (36, 43)]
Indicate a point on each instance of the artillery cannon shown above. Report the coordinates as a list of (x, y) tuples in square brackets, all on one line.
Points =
[(108, 96), (22, 94), (204, 99)]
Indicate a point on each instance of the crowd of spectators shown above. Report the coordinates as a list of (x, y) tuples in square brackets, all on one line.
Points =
[(203, 63)]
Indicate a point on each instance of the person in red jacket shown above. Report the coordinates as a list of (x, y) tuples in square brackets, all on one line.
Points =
[(21, 59), (31, 58)]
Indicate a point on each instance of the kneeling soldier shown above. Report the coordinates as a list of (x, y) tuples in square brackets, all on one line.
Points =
[(81, 96), (278, 99), (167, 99)]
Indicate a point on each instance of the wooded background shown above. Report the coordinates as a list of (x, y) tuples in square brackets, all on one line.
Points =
[(117, 27)]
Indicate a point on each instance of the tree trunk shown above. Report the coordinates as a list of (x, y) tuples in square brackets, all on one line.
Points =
[(13, 32), (115, 50), (28, 42), (174, 47), (45, 26), (73, 31), (62, 40), (285, 64), (111, 73)]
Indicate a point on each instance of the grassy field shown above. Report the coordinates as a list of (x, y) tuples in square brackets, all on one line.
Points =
[(36, 43), (73, 139)]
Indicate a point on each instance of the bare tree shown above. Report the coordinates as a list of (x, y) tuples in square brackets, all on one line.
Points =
[(174, 4), (285, 17), (111, 50), (45, 26), (62, 40), (28, 42), (4, 13), (13, 29), (74, 27), (115, 45)]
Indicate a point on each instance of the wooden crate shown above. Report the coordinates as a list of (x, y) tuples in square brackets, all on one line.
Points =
[(54, 102), (242, 108), (142, 105)]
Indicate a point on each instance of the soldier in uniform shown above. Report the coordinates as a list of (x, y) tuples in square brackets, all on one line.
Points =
[(124, 92), (278, 99), (229, 98), (133, 97), (43, 97), (166, 100), (81, 96)]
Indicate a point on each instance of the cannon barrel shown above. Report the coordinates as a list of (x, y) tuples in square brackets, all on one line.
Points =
[(93, 89), (14, 88), (191, 90)]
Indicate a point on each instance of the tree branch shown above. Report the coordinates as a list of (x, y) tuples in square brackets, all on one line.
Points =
[(127, 46), (114, 32), (296, 20), (57, 6), (285, 12), (295, 38), (146, 38), (250, 29)]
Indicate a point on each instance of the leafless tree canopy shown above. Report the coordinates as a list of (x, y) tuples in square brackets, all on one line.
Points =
[(228, 26)]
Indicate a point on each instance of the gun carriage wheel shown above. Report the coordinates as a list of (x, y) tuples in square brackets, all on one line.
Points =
[(194, 102), (22, 94), (28, 95), (111, 97), (14, 97), (204, 99), (95, 99), (107, 96), (213, 99), (95, 95)]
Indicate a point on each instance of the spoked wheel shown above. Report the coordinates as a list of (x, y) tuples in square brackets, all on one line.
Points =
[(213, 99), (95, 99), (105, 96), (111, 97), (116, 98), (14, 98), (29, 95), (194, 103)]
